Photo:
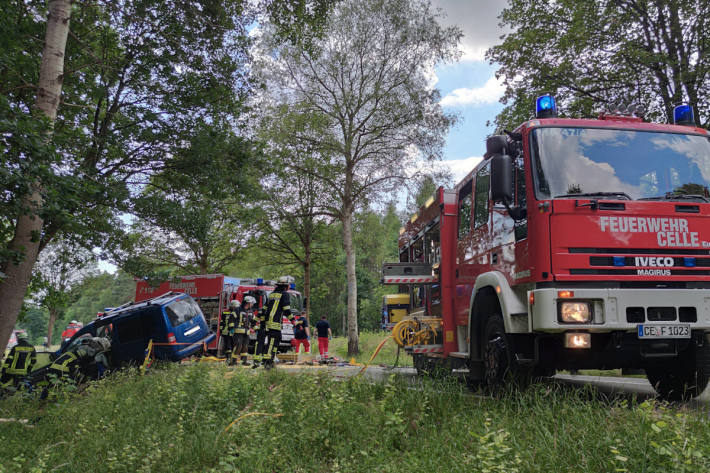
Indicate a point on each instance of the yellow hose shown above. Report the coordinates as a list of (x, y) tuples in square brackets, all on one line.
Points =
[(374, 354)]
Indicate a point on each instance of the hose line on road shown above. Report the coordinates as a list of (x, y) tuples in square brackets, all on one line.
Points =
[(374, 354)]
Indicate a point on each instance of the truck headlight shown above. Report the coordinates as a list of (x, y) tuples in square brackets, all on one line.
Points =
[(575, 312)]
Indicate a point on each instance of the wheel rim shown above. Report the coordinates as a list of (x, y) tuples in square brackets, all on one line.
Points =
[(496, 360)]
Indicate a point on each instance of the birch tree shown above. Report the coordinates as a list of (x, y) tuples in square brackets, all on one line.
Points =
[(24, 245), (364, 93)]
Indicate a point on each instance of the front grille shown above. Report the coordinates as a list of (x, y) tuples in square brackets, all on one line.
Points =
[(640, 251), (631, 261), (633, 272), (658, 314)]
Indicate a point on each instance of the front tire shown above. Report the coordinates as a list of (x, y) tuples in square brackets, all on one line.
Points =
[(683, 378), (499, 365)]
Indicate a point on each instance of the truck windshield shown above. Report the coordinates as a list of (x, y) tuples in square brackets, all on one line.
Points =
[(620, 164)]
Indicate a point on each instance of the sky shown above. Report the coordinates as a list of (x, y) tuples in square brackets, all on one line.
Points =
[(469, 88)]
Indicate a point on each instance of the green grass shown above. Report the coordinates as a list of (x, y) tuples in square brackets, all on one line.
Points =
[(173, 420), (368, 343)]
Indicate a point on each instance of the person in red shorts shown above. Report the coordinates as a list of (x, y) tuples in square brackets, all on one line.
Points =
[(324, 334), (301, 334)]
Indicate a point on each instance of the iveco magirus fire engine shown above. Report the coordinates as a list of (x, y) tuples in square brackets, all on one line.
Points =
[(574, 244)]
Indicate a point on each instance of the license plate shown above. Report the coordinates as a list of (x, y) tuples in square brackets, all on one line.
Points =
[(663, 331)]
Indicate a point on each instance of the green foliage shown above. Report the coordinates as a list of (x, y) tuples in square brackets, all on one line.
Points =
[(594, 54), (174, 420), (97, 293)]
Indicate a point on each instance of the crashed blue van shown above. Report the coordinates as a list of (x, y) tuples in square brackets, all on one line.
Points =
[(173, 321)]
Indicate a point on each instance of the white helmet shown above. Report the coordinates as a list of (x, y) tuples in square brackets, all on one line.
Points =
[(234, 304), (249, 300), (284, 281)]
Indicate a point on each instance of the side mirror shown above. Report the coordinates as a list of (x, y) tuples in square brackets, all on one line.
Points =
[(502, 178), (495, 144)]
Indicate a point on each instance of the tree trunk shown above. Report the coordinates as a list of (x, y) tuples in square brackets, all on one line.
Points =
[(307, 282), (353, 348), (52, 320), (28, 228)]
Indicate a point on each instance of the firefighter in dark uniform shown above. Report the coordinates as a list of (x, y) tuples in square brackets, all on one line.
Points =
[(278, 305), (241, 330), (19, 363), (226, 328)]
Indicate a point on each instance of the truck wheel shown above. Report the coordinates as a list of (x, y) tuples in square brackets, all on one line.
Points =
[(499, 366), (420, 363), (685, 377)]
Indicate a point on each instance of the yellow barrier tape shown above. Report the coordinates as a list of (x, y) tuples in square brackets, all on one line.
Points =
[(251, 414)]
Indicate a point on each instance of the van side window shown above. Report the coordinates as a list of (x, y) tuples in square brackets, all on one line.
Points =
[(130, 329), (465, 210), (480, 211)]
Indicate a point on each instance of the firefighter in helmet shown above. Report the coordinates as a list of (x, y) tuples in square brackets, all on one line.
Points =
[(227, 325), (278, 306), (19, 362), (241, 330)]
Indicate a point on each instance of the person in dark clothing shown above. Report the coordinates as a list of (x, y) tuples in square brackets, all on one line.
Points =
[(324, 335), (226, 328), (19, 362), (302, 334), (278, 306), (241, 327)]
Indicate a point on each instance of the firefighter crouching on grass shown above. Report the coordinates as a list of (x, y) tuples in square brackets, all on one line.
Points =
[(226, 328), (18, 364), (241, 328), (277, 306)]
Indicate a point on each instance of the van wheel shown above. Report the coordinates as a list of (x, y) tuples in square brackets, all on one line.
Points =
[(499, 366), (683, 378)]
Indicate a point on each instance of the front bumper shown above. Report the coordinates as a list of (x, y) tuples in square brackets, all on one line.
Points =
[(611, 308)]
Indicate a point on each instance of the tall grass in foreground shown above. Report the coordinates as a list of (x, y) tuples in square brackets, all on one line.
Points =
[(173, 420)]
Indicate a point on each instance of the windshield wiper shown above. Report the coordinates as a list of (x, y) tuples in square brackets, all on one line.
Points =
[(596, 194), (669, 196)]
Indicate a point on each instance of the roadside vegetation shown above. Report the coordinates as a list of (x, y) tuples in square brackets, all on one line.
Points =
[(174, 420), (368, 344)]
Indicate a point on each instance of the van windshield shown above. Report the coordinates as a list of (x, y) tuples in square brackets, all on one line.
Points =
[(182, 311), (629, 164)]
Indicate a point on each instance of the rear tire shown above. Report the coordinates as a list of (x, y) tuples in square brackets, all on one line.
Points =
[(683, 378), (499, 365)]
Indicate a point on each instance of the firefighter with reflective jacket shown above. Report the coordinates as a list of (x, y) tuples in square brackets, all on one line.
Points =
[(278, 305), (19, 362), (226, 328), (241, 330)]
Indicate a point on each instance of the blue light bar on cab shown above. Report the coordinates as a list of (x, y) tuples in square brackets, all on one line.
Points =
[(260, 282), (292, 286), (545, 106), (683, 115)]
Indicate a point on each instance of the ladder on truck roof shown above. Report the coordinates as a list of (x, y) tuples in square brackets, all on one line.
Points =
[(408, 273)]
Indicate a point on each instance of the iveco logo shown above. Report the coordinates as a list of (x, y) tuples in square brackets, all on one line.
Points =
[(654, 261)]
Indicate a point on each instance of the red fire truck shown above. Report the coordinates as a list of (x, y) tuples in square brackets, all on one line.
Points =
[(213, 292), (574, 244)]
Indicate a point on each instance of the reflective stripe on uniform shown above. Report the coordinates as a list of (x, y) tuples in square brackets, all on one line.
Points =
[(62, 363), (21, 360), (276, 297)]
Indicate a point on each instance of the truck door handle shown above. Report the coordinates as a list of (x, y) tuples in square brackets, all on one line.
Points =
[(494, 258)]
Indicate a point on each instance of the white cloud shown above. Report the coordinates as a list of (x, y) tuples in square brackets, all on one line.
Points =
[(478, 20), (461, 167), (490, 92)]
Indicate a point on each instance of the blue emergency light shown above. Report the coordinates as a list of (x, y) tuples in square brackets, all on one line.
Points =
[(292, 286), (260, 282), (545, 106), (619, 261), (683, 115)]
